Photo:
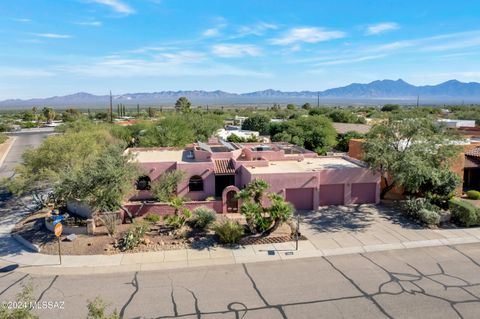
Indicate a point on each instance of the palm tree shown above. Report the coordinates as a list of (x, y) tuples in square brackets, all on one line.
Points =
[(251, 212), (254, 190), (177, 203), (280, 211)]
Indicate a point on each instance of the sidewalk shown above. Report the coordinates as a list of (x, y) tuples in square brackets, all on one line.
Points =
[(80, 265)]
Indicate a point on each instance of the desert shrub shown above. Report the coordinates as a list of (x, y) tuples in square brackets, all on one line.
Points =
[(178, 221), (24, 297), (152, 218), (110, 221), (3, 138), (134, 236), (429, 217), (473, 194), (413, 206), (97, 308), (464, 213), (203, 217), (228, 231)]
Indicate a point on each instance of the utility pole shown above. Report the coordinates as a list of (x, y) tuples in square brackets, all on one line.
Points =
[(418, 100), (318, 99), (111, 107), (138, 109)]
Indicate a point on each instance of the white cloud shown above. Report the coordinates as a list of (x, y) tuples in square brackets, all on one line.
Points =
[(116, 5), (235, 50), (90, 23), (308, 35), (382, 28), (24, 72), (212, 32), (165, 66), (257, 29), (351, 60), (24, 20), (53, 35)]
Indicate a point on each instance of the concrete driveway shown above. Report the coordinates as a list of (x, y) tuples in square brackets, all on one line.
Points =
[(334, 227)]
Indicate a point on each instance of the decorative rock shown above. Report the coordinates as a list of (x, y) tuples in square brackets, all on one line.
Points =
[(90, 226), (71, 237)]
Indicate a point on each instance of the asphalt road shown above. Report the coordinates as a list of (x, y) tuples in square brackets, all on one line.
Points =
[(24, 139), (437, 282)]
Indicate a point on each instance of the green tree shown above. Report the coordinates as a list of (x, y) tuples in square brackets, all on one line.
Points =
[(291, 106), (28, 116), (102, 182), (408, 151), (49, 113), (344, 116), (314, 133), (258, 122), (307, 106), (165, 188), (390, 107), (183, 105)]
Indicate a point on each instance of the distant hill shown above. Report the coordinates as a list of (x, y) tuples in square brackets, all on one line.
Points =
[(382, 90)]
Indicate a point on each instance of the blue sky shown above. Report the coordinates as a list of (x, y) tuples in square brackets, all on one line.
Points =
[(57, 47)]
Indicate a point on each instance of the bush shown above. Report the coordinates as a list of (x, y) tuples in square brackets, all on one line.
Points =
[(204, 217), (429, 217), (473, 194), (463, 212), (178, 220), (413, 206), (228, 231), (3, 138), (97, 308), (152, 218), (134, 236)]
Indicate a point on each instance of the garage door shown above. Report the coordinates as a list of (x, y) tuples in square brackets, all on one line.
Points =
[(363, 193), (301, 198), (331, 194)]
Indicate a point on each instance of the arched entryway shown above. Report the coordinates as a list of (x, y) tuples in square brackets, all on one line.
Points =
[(229, 199)]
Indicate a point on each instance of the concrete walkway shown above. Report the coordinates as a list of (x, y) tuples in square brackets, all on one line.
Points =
[(338, 230)]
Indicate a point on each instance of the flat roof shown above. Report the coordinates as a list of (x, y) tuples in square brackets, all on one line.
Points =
[(157, 155), (307, 165), (343, 128)]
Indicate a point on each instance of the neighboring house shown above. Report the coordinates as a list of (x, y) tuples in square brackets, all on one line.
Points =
[(471, 176), (225, 133), (466, 165), (220, 169), (451, 123)]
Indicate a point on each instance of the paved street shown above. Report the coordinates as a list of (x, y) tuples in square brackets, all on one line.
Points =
[(24, 140), (435, 282)]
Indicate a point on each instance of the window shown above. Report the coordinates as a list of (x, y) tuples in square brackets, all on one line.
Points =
[(143, 183), (195, 184)]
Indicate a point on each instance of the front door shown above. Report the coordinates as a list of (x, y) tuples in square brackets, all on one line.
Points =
[(232, 202), (222, 182)]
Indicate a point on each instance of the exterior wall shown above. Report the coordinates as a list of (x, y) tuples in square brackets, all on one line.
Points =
[(202, 169), (163, 209), (355, 148)]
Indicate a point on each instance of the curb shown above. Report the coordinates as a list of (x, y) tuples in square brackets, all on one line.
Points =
[(13, 138), (185, 263), (26, 243)]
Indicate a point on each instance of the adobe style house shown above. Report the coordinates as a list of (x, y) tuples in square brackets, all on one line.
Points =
[(219, 169)]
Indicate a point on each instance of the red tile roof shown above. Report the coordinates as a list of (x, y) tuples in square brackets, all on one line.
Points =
[(224, 167)]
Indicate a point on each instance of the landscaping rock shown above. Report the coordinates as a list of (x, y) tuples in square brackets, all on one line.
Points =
[(71, 237)]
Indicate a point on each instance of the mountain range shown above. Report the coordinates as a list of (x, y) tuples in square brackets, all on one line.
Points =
[(378, 91)]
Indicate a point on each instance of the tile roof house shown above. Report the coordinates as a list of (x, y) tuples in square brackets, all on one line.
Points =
[(219, 169)]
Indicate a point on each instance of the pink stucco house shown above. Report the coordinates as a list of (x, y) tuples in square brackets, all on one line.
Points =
[(218, 169)]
